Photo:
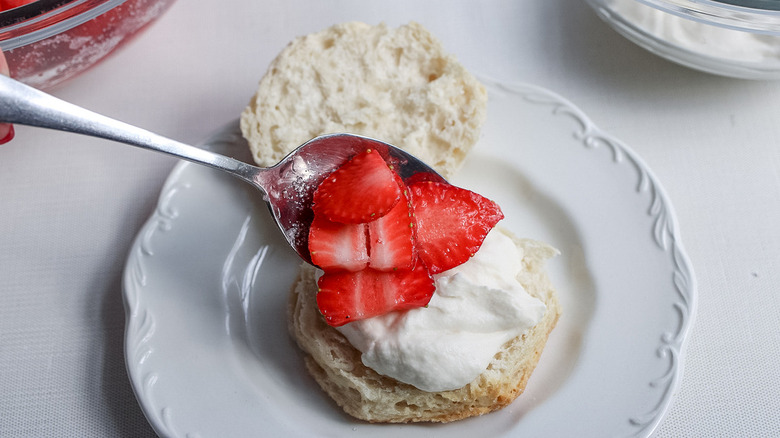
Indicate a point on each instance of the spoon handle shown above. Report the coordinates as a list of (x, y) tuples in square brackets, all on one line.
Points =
[(24, 105)]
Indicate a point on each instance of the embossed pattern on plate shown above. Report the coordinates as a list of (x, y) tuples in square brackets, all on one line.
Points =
[(206, 284)]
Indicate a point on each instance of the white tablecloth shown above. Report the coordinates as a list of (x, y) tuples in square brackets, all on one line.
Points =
[(70, 206)]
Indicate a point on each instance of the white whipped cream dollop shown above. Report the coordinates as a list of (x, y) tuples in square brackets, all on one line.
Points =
[(478, 306)]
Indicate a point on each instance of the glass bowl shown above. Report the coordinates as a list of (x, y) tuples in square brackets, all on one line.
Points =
[(735, 38), (49, 41)]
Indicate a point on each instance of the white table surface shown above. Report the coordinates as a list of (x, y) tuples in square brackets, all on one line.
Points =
[(70, 206)]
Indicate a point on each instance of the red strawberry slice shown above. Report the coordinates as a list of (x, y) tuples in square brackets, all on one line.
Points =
[(351, 296), (337, 246), (391, 238), (362, 189), (451, 223)]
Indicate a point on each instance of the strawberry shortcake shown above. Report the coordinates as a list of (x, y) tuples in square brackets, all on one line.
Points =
[(418, 305)]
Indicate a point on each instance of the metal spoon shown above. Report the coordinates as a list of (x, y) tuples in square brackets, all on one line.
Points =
[(287, 187)]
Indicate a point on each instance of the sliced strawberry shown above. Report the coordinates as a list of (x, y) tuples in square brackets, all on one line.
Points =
[(362, 189), (422, 177), (337, 246), (351, 296), (451, 223), (391, 238)]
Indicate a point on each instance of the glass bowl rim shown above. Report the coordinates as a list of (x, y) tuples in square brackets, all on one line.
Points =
[(755, 16), (42, 19)]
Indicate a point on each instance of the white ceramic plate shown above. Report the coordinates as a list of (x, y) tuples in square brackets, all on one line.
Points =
[(207, 279)]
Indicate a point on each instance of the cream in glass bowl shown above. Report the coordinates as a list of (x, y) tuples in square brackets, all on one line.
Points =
[(735, 38)]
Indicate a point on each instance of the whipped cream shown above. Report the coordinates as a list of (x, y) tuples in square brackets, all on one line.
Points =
[(702, 38), (478, 306)]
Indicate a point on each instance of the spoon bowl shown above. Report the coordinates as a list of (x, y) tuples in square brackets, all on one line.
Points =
[(287, 187)]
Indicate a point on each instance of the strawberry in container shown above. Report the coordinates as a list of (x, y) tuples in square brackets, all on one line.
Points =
[(10, 4), (49, 41)]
